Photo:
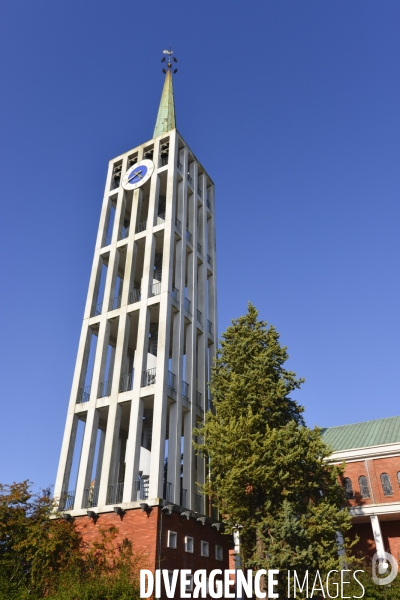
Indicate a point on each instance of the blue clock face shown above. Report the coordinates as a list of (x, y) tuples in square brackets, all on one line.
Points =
[(137, 174)]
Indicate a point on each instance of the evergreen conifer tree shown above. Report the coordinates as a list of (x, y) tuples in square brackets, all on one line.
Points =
[(269, 471)]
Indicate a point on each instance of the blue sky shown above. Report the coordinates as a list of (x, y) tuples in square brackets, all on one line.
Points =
[(300, 97)]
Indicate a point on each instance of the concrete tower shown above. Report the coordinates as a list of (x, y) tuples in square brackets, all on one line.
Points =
[(148, 333)]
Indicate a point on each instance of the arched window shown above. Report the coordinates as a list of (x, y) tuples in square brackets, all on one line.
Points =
[(348, 488), (363, 483), (386, 485)]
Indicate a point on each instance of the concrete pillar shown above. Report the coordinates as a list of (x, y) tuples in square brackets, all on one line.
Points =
[(376, 530), (175, 416), (160, 400), (187, 458)]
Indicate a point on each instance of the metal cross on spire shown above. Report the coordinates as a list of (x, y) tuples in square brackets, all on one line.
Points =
[(169, 58), (166, 112)]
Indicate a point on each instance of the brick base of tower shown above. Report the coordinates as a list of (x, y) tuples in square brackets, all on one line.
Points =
[(148, 533)]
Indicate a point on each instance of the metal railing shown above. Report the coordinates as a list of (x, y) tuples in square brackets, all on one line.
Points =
[(175, 294), (185, 390), (182, 499), (141, 491), (209, 259), (106, 241), (178, 224), (96, 309), (179, 165), (171, 380), (199, 248), (83, 394), (104, 389), (200, 193), (199, 402), (209, 327), (160, 219), (190, 179), (199, 316), (114, 303), (134, 296), (90, 496), (189, 236), (67, 500), (188, 305), (115, 492), (167, 491), (142, 226), (199, 503), (126, 382), (156, 289), (123, 233), (148, 377), (208, 204)]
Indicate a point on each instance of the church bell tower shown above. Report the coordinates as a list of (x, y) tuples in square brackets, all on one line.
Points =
[(148, 335)]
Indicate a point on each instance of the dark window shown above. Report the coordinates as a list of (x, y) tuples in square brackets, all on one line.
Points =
[(348, 488), (398, 478), (363, 483), (386, 485)]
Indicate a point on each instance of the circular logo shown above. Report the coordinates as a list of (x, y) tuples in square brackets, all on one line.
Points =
[(381, 574)]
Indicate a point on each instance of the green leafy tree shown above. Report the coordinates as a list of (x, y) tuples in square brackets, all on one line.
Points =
[(43, 557), (268, 470), (34, 549)]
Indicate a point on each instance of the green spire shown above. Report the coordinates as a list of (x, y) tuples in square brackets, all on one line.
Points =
[(166, 112)]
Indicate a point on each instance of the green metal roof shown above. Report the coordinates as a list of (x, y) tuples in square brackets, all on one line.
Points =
[(363, 435), (166, 112)]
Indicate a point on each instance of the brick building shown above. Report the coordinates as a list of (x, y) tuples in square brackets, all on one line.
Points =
[(167, 536), (371, 451)]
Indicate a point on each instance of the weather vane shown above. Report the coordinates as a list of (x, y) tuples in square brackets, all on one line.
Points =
[(170, 58)]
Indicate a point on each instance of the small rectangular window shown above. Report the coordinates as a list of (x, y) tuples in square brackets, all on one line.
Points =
[(172, 539), (205, 548), (219, 553), (189, 544)]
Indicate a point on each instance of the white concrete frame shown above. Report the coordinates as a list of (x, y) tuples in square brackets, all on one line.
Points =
[(189, 198)]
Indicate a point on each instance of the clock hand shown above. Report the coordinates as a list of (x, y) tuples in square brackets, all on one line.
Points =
[(137, 174)]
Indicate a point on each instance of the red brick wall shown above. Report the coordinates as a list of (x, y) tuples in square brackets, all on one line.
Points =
[(391, 537), (140, 528), (376, 467), (365, 547), (144, 532)]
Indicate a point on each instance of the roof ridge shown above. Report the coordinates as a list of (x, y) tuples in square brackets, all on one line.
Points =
[(361, 422)]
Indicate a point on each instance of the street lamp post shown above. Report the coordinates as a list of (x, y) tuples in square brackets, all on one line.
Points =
[(236, 556)]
